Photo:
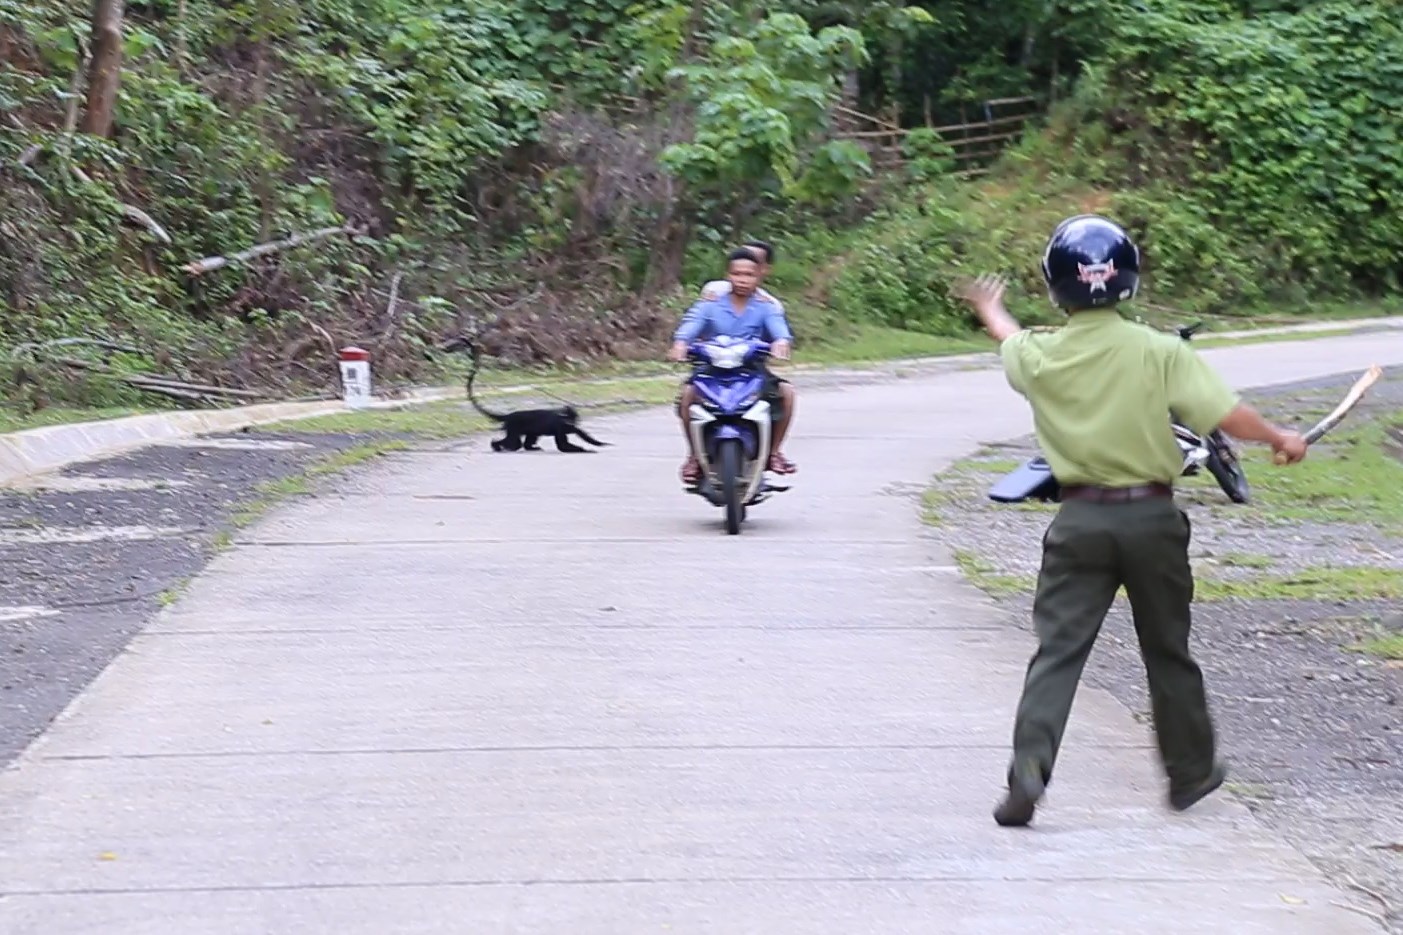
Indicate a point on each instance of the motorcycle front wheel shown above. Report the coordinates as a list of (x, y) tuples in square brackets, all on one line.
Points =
[(729, 463), (1227, 470)]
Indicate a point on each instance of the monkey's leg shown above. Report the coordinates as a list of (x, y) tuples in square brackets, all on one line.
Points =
[(563, 443), (532, 443), (511, 443)]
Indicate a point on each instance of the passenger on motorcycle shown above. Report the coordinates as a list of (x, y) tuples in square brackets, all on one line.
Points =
[(743, 313), (766, 251)]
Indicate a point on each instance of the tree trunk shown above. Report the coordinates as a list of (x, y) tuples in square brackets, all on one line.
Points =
[(105, 75)]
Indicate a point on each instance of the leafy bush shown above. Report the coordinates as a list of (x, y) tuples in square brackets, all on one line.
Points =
[(1283, 130)]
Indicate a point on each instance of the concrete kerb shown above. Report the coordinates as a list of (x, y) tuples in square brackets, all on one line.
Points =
[(39, 451)]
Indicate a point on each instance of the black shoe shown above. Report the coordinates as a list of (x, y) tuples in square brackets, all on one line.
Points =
[(1183, 799), (1025, 788)]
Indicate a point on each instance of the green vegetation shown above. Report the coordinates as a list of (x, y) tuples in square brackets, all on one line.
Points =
[(271, 493), (563, 176), (988, 578), (1385, 647), (1325, 583), (1350, 476), (1353, 477), (1243, 560), (11, 421)]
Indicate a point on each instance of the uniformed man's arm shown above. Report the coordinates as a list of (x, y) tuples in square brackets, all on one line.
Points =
[(1014, 353), (1204, 402), (1197, 394), (986, 295)]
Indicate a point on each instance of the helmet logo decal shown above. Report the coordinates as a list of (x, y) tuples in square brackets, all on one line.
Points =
[(1096, 274)]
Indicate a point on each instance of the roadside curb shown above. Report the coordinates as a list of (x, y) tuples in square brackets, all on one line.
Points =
[(41, 450)]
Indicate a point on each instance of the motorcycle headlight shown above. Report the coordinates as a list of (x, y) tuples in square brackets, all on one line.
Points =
[(726, 358)]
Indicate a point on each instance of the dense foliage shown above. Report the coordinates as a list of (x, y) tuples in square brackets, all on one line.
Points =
[(1254, 148), (554, 170)]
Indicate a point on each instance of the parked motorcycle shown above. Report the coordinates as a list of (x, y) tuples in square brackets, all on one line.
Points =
[(1033, 479), (731, 425)]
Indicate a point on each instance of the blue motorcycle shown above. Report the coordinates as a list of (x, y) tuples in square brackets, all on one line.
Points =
[(730, 425)]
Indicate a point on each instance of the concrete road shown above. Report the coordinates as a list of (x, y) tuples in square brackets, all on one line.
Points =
[(486, 693)]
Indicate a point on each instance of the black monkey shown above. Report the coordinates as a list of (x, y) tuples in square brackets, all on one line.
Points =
[(525, 427)]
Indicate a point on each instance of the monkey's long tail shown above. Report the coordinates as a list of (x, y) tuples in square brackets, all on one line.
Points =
[(472, 375)]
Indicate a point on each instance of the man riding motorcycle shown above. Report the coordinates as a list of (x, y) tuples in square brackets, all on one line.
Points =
[(743, 313)]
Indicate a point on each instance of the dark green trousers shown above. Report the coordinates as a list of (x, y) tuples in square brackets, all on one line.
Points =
[(1090, 550)]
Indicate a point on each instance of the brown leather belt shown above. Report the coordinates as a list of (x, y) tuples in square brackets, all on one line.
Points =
[(1116, 494)]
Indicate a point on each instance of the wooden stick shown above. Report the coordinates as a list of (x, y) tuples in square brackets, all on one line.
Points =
[(942, 131), (966, 140), (212, 263), (1352, 398), (857, 113)]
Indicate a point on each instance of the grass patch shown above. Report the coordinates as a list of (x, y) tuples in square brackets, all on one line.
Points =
[(1319, 583), (1385, 647), (172, 594), (869, 343), (989, 579), (1242, 560), (932, 501), (1211, 342), (1349, 477), (448, 419), (455, 418), (12, 421), (270, 494)]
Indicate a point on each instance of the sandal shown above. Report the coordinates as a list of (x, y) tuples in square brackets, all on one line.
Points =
[(780, 464), (691, 471)]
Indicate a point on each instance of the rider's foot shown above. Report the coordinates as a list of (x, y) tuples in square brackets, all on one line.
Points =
[(781, 465), (691, 470)]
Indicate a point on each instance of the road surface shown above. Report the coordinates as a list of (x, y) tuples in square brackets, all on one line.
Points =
[(488, 693)]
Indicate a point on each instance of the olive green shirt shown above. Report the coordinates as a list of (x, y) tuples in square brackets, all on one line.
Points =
[(1102, 389)]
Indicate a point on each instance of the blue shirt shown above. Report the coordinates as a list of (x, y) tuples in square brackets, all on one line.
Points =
[(760, 318)]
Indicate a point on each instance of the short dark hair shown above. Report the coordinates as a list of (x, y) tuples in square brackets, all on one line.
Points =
[(765, 245), (742, 253)]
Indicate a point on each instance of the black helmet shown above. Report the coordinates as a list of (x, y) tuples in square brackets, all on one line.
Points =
[(1090, 262)]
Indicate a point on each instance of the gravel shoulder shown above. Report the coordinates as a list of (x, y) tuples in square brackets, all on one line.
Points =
[(1298, 625)]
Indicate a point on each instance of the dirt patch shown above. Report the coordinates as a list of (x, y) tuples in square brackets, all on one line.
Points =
[(1299, 625)]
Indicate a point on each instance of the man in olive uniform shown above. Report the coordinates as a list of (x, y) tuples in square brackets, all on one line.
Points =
[(1101, 389)]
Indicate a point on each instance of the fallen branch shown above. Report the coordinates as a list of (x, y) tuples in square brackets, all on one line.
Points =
[(330, 341), (75, 87), (392, 307), (212, 263), (145, 380), (33, 150), (166, 386), (69, 342), (130, 212)]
